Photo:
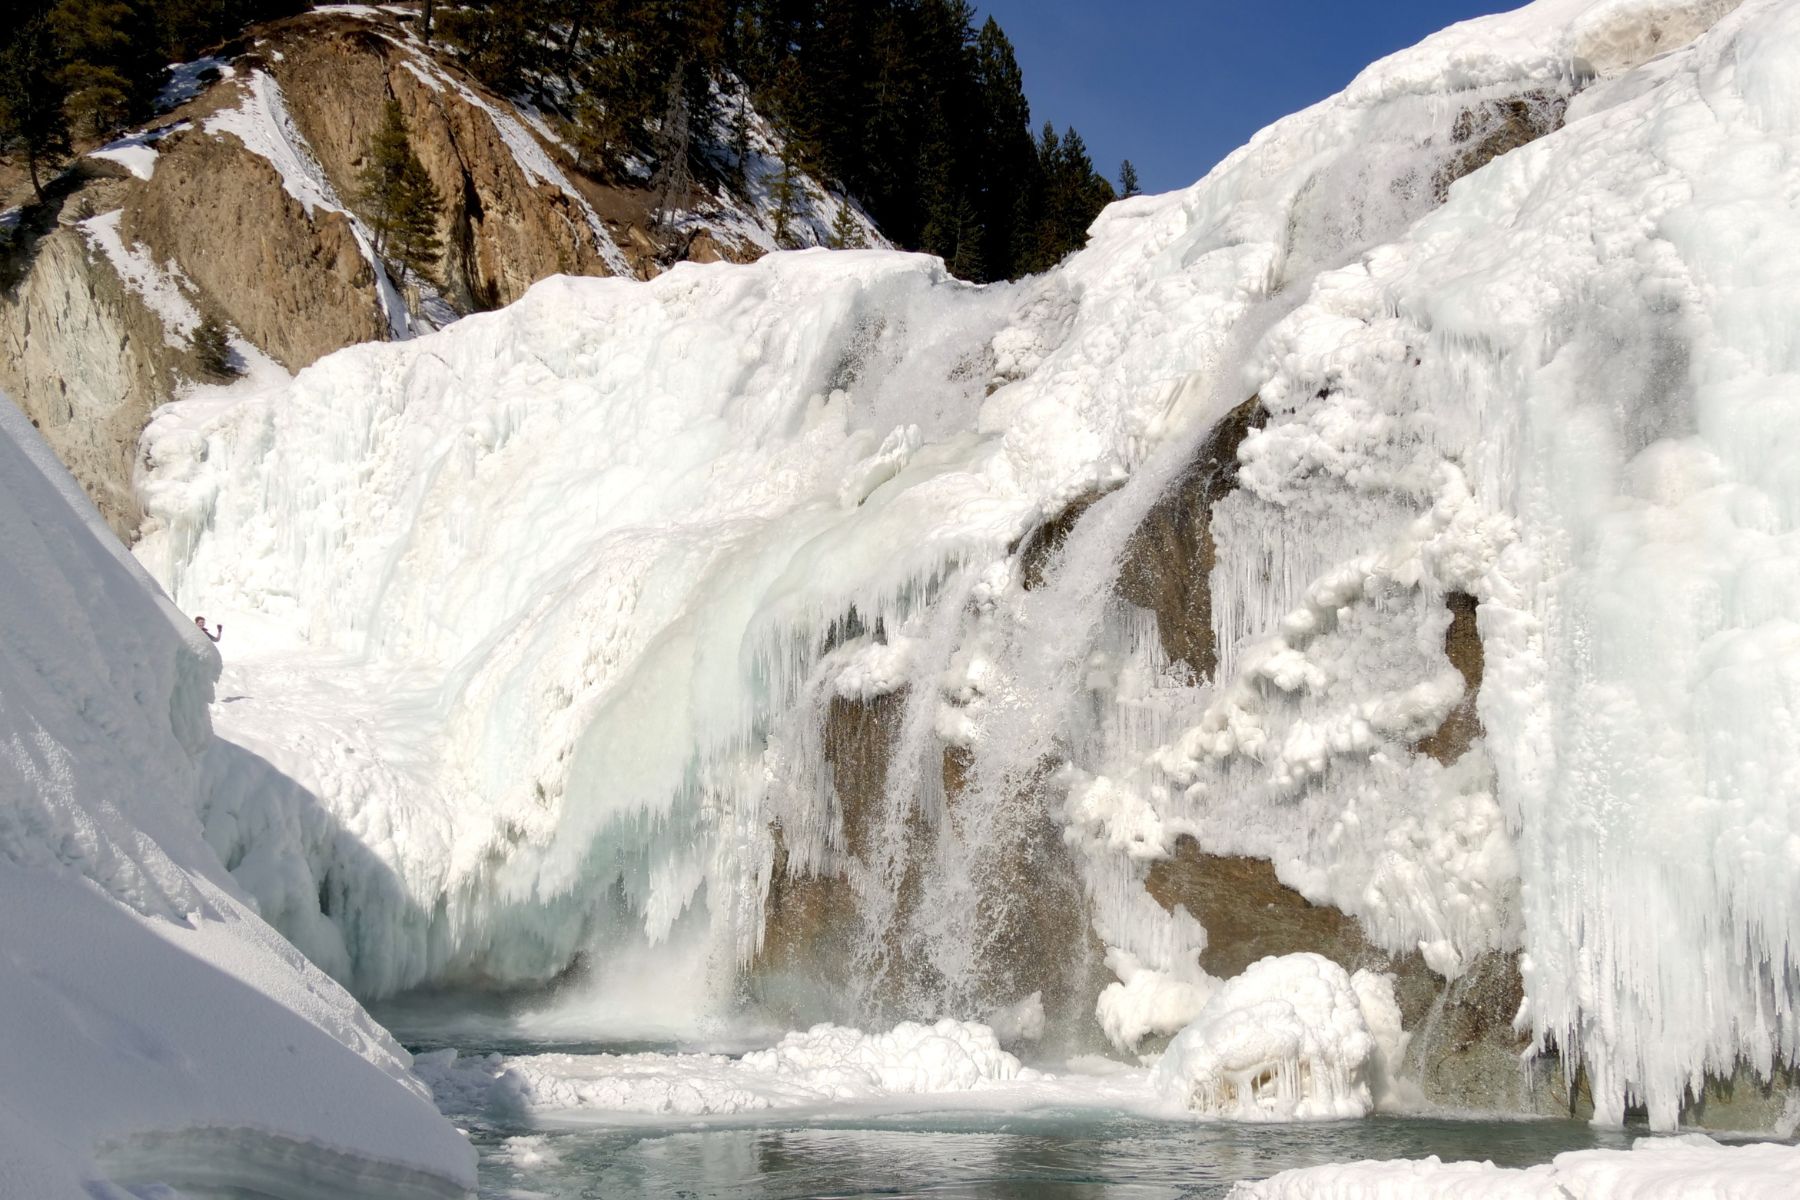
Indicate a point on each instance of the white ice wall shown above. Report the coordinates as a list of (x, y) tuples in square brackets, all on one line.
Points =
[(148, 1012)]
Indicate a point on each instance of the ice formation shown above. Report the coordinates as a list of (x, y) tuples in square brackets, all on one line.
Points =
[(156, 1031), (827, 1065), (1292, 1038), (1692, 1167), (536, 622)]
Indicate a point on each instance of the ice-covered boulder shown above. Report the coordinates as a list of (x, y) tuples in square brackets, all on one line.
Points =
[(1293, 1038)]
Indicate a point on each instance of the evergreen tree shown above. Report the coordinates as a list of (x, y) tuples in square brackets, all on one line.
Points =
[(1128, 179), (32, 122), (112, 66), (398, 200), (674, 142), (212, 351), (846, 233), (784, 189)]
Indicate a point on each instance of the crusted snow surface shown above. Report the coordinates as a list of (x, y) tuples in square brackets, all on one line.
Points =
[(536, 621), (147, 1007), (1292, 1038), (1690, 1167)]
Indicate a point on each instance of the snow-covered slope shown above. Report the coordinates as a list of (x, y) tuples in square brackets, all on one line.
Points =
[(155, 1029), (535, 623)]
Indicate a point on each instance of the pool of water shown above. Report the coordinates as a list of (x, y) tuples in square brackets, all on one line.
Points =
[(1067, 1156)]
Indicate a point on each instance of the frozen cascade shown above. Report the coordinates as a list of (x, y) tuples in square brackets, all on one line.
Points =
[(538, 624)]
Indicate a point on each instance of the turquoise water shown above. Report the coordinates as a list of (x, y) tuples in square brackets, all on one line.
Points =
[(1050, 1156)]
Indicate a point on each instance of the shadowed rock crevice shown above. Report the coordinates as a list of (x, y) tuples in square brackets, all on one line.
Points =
[(1462, 646), (1168, 564)]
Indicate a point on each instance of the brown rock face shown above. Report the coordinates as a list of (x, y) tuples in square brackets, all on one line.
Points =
[(1464, 1051), (1169, 562), (1032, 909), (84, 359), (1462, 645), (296, 286), (811, 922), (1249, 914), (502, 231), (1494, 127)]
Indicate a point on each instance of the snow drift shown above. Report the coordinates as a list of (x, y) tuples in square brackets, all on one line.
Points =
[(535, 622), (1676, 1168), (156, 1030)]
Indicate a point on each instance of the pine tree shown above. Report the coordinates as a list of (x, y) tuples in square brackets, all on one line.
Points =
[(416, 245), (398, 200), (32, 123), (784, 190), (113, 67), (846, 232), (212, 351), (1128, 179), (673, 145)]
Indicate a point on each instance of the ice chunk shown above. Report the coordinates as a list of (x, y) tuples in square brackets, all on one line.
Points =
[(1288, 1040)]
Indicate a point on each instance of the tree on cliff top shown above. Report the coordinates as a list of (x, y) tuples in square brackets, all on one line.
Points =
[(399, 201), (32, 93)]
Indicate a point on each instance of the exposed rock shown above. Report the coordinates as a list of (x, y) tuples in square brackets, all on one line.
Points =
[(85, 360), (1494, 127), (1462, 645), (1168, 563), (503, 231), (1464, 1051), (1250, 914), (297, 287), (811, 921)]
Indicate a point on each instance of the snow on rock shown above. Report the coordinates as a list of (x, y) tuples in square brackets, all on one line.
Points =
[(1691, 1167), (156, 1030), (261, 122), (1293, 1038), (824, 1065), (137, 152), (163, 289)]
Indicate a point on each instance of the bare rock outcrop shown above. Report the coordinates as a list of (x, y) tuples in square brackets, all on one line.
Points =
[(85, 360), (294, 285)]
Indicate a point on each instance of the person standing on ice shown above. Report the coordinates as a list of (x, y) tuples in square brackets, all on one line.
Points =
[(201, 622)]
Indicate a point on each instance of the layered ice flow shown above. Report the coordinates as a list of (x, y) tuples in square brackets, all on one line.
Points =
[(533, 624)]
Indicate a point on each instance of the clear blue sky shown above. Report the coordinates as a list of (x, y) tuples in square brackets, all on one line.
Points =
[(1175, 85)]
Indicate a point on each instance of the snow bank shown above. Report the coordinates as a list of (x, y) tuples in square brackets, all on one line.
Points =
[(147, 1008), (1292, 1038), (1676, 1168), (826, 1065)]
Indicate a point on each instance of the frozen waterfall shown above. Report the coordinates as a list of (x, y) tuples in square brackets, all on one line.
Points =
[(832, 609)]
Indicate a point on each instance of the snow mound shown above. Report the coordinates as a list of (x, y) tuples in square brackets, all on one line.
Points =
[(147, 1008), (1692, 1167), (1293, 1038)]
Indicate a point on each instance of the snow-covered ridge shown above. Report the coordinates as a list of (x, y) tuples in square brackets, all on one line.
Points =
[(538, 620), (147, 1006)]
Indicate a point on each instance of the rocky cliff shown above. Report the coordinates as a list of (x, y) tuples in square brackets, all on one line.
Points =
[(236, 203)]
